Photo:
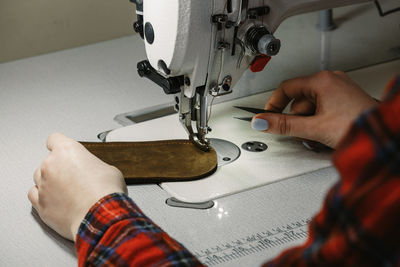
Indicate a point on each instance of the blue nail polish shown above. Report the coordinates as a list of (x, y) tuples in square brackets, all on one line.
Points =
[(259, 124)]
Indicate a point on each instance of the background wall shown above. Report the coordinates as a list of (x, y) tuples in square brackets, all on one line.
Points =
[(33, 27)]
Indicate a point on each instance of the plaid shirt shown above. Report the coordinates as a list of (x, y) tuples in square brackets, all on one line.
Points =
[(358, 225)]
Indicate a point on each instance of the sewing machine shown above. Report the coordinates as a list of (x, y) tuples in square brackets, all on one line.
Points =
[(197, 49), (235, 36)]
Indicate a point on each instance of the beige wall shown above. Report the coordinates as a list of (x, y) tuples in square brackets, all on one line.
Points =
[(32, 27)]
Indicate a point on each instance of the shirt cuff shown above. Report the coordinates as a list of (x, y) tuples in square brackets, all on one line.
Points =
[(102, 215)]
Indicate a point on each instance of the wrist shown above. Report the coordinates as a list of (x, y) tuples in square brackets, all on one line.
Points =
[(90, 208), (102, 214)]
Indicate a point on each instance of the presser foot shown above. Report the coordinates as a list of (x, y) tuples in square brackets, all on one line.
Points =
[(202, 144)]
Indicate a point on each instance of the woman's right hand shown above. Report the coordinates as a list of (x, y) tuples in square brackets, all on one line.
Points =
[(324, 107)]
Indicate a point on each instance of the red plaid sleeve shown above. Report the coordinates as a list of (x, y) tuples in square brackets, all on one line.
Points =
[(359, 224), (115, 232)]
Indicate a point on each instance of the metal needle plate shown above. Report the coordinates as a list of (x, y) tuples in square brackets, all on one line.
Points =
[(227, 152), (254, 146)]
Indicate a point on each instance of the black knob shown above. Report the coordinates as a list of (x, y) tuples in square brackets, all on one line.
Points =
[(171, 85), (226, 87), (142, 68), (138, 28), (149, 32)]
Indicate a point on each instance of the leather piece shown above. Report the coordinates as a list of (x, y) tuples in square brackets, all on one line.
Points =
[(156, 161)]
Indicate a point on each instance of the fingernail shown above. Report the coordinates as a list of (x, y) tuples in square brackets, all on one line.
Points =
[(259, 124)]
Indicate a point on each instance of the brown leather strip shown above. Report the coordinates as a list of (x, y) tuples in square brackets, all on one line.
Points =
[(156, 161)]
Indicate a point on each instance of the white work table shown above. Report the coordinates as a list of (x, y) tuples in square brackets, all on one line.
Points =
[(78, 92)]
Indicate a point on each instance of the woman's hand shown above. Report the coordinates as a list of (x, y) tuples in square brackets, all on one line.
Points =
[(69, 182), (323, 108)]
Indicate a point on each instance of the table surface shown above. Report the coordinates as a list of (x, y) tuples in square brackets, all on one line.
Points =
[(78, 92)]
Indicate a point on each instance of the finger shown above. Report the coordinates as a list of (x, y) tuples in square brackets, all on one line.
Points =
[(33, 196), (278, 101), (346, 78), (301, 87), (290, 125), (37, 176), (341, 73), (302, 107), (55, 139)]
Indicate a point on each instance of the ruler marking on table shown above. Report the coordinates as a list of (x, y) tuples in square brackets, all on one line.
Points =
[(254, 243)]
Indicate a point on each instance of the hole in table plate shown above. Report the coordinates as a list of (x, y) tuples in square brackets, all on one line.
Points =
[(254, 146)]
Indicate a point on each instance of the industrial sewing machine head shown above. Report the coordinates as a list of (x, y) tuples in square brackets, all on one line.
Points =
[(200, 48)]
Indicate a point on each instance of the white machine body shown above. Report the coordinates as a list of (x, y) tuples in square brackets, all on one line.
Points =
[(208, 44)]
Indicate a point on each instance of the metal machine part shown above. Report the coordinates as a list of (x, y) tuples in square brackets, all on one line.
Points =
[(195, 45), (193, 115), (254, 146), (138, 25), (325, 20), (225, 87), (171, 85), (227, 152), (173, 202), (261, 41), (145, 114)]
